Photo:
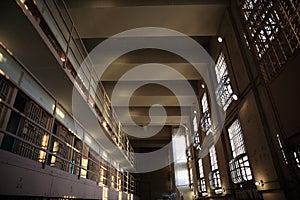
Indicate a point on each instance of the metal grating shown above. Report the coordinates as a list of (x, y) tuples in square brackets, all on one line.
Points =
[(224, 91), (4, 90), (272, 30)]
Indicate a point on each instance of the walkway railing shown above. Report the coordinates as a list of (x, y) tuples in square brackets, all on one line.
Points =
[(29, 131), (57, 24)]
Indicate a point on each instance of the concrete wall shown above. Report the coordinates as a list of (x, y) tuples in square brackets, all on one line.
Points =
[(255, 112), (285, 89), (153, 185), (23, 177)]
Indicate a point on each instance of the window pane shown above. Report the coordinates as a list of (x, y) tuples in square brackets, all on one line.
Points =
[(224, 90), (240, 169), (213, 158), (236, 139), (205, 120), (201, 172), (239, 166)]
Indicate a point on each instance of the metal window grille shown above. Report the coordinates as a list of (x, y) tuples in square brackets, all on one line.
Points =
[(236, 139), (240, 169), (201, 180), (297, 158), (272, 29), (239, 166), (205, 120), (214, 180), (224, 91), (213, 158)]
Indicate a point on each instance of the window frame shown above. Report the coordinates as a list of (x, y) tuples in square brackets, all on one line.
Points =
[(239, 166), (201, 181), (224, 90), (237, 142), (271, 32)]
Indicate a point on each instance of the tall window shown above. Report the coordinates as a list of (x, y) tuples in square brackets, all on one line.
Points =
[(213, 158), (179, 146), (182, 177), (204, 103), (201, 181), (297, 158), (195, 124), (282, 150), (263, 20), (214, 175), (215, 181), (236, 139), (205, 120), (191, 177), (272, 31), (196, 137), (224, 91), (239, 165)]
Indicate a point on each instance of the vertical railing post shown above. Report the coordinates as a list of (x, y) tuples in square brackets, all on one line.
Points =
[(68, 46), (81, 154), (50, 135)]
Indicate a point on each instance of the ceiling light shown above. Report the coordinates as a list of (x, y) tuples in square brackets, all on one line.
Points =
[(259, 183), (235, 97), (220, 39)]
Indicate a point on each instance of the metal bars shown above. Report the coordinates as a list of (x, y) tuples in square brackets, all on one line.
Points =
[(272, 29)]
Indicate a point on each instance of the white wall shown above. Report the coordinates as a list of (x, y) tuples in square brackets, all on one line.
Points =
[(24, 177)]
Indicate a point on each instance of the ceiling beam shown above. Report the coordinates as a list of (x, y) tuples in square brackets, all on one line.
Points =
[(149, 143), (104, 22), (132, 3)]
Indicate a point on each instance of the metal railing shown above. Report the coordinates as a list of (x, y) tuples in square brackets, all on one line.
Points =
[(24, 147), (79, 66), (32, 139)]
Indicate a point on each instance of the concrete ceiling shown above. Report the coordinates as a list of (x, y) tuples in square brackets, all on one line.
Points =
[(97, 20), (133, 3)]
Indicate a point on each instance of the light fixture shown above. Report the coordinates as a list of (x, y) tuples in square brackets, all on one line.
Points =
[(2, 73), (259, 183), (2, 58), (104, 123), (220, 39), (63, 57), (235, 97), (202, 85)]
